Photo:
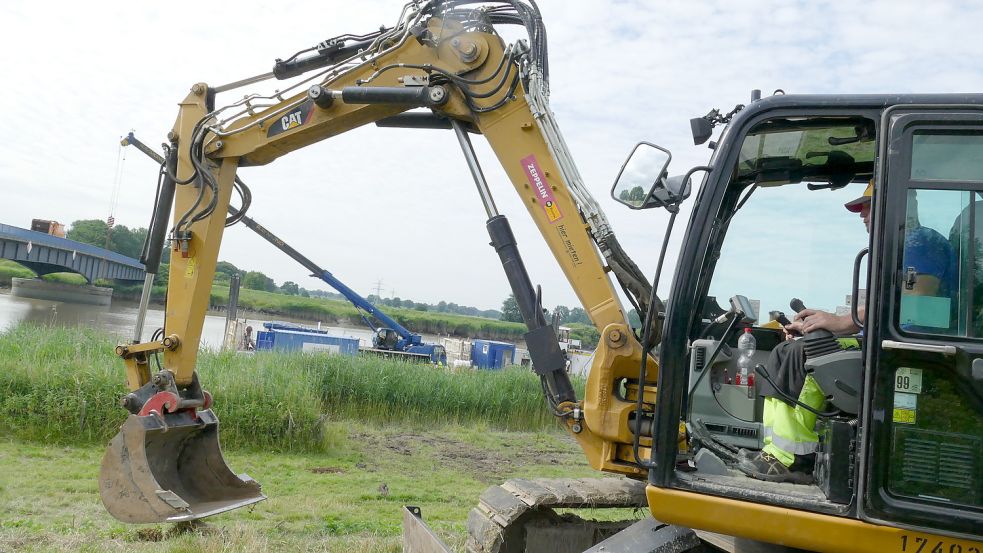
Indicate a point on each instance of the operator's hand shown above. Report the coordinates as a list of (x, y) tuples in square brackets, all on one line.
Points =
[(808, 320)]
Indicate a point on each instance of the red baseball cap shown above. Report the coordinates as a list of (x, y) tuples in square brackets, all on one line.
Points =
[(854, 206)]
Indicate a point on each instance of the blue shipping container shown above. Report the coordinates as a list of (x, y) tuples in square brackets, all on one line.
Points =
[(309, 342), (489, 354)]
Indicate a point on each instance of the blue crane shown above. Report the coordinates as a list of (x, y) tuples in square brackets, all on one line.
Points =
[(389, 338)]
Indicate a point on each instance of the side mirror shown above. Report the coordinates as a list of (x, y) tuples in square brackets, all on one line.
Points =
[(641, 182)]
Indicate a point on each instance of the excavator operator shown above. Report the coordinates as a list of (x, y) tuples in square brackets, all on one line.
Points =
[(791, 441)]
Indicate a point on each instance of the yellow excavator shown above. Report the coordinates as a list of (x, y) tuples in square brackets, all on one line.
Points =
[(899, 466)]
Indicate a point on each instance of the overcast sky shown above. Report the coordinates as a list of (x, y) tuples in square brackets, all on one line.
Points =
[(398, 205)]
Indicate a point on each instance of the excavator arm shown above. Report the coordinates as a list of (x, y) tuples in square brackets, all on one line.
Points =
[(443, 56)]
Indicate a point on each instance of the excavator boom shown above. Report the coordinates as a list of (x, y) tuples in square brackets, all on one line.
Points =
[(438, 57)]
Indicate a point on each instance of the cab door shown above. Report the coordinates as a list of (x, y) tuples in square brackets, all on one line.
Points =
[(922, 466)]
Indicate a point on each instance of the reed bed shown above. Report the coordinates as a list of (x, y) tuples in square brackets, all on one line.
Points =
[(60, 385), (339, 311)]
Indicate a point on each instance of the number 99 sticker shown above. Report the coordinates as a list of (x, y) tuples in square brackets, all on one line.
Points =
[(908, 380)]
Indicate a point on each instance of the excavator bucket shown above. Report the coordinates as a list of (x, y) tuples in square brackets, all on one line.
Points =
[(170, 469)]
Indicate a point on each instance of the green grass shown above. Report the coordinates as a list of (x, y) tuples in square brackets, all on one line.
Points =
[(10, 269), (63, 386), (320, 433), (317, 501)]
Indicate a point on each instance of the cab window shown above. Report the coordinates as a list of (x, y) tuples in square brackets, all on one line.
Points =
[(788, 234), (942, 263)]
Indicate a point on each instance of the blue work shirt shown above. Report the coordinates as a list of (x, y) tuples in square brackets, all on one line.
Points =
[(929, 253)]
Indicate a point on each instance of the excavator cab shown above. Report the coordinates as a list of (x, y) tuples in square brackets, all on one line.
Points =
[(899, 435)]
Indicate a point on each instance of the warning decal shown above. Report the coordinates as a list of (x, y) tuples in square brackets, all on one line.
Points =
[(905, 408), (544, 194)]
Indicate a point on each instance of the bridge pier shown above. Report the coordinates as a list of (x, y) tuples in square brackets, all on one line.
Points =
[(57, 291)]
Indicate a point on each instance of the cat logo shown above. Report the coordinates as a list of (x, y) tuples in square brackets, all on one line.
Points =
[(291, 120)]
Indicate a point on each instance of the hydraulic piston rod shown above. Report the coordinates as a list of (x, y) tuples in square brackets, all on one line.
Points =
[(548, 359)]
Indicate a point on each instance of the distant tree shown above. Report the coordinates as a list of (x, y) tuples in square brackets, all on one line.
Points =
[(633, 319), (510, 310), (126, 241), (255, 280), (122, 239), (421, 307), (442, 306), (562, 313), (162, 275), (578, 315), (290, 288), (305, 293), (635, 195), (226, 268), (587, 334), (88, 231)]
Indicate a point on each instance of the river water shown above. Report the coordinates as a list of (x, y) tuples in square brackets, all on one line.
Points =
[(119, 319)]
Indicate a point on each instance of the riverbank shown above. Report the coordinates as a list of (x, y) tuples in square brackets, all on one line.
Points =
[(267, 305), (62, 386), (271, 305)]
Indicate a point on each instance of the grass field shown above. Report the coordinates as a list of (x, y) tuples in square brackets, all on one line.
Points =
[(327, 501), (321, 433)]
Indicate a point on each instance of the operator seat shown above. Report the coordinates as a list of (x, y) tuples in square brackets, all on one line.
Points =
[(839, 372)]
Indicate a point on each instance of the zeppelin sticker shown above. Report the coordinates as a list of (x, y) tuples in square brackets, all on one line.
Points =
[(544, 194)]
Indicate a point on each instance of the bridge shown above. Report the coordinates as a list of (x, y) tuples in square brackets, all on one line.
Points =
[(44, 254)]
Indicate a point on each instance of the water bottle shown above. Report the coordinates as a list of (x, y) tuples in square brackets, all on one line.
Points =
[(746, 345)]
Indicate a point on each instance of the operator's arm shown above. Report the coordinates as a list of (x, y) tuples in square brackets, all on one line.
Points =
[(808, 320)]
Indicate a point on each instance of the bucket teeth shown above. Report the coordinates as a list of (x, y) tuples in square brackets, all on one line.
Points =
[(170, 469)]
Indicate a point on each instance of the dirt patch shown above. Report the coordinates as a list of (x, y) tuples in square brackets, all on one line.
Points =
[(327, 470), (150, 534), (486, 463)]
